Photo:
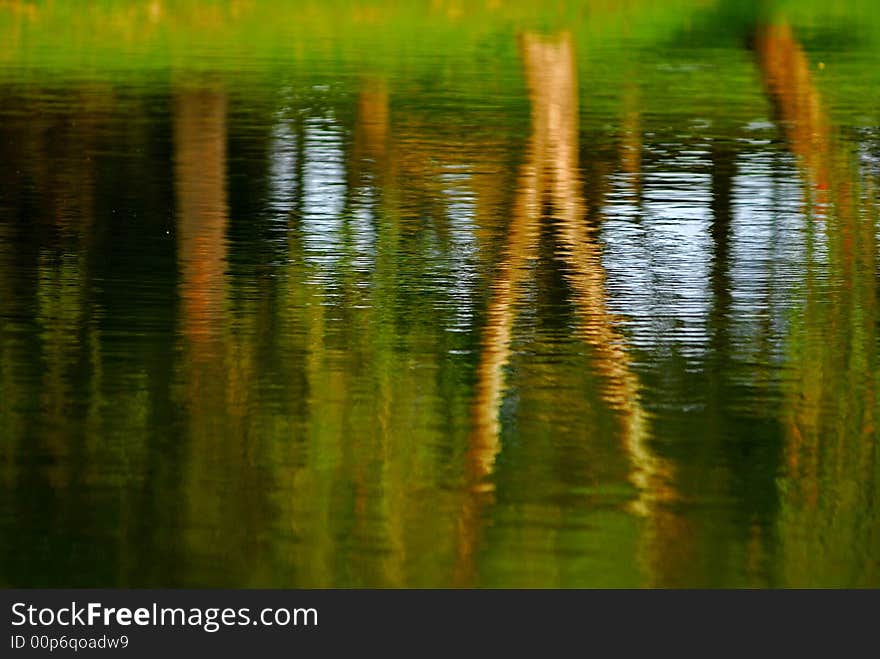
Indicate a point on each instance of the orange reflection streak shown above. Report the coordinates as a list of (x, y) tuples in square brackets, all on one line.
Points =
[(551, 172), (371, 152), (631, 142), (200, 174), (370, 149), (811, 137), (821, 456), (786, 76), (218, 368), (371, 134)]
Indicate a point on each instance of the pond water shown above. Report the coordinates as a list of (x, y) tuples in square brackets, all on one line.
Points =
[(362, 295)]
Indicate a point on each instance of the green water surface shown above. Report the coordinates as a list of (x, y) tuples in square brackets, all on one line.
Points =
[(408, 294)]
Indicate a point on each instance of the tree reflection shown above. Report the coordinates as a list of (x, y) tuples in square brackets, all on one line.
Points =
[(200, 179), (831, 461), (550, 176), (365, 333), (217, 371)]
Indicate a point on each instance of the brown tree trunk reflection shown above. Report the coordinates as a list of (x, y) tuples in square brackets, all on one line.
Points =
[(200, 179), (786, 75), (376, 483), (372, 130), (830, 402), (211, 384), (550, 174)]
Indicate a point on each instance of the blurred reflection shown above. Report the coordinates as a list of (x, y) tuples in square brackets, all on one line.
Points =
[(213, 388), (828, 521), (371, 135), (787, 78), (200, 182), (550, 175), (394, 323), (631, 143)]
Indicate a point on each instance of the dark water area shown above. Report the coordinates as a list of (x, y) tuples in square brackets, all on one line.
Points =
[(545, 308)]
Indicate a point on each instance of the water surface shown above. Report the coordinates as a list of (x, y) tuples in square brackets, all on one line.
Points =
[(364, 295)]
